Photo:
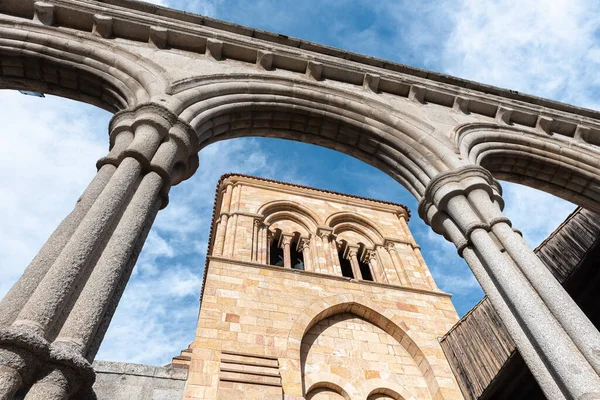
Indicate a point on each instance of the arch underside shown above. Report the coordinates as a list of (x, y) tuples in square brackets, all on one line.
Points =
[(50, 76), (567, 170)]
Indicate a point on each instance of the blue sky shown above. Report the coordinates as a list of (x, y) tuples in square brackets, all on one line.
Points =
[(551, 51)]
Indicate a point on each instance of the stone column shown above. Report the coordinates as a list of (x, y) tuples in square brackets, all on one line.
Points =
[(304, 247), (269, 243), (465, 205), (400, 270), (376, 270), (222, 222), (323, 235), (256, 226), (335, 258), (159, 151), (263, 244), (286, 241), (353, 257)]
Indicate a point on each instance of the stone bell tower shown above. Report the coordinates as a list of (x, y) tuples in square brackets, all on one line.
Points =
[(310, 294)]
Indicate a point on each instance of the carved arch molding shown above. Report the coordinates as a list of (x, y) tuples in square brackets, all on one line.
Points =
[(178, 82)]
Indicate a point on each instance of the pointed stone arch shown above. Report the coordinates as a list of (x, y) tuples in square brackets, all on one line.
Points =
[(367, 310)]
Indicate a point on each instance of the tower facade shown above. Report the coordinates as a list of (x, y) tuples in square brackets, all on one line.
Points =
[(317, 295)]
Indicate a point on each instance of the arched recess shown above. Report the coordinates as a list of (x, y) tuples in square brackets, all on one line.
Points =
[(222, 107), (554, 164), (327, 382), (369, 311), (347, 221), (373, 387), (88, 69)]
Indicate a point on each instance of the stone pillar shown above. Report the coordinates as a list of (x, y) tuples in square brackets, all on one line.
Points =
[(304, 247), (269, 243), (263, 243), (396, 260), (286, 241), (353, 257), (558, 343), (222, 222), (376, 270), (323, 235), (256, 227), (335, 258), (150, 151)]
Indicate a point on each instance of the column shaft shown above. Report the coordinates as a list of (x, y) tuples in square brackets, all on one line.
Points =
[(554, 344), (398, 265), (20, 292), (287, 257), (86, 315), (560, 303), (336, 268), (355, 266), (51, 294)]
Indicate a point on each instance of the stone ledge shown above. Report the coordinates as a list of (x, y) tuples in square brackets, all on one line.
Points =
[(319, 275), (121, 368)]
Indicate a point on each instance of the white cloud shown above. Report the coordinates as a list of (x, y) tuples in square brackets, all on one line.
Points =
[(548, 49), (48, 150)]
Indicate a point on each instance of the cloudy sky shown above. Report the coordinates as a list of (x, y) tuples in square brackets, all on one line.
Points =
[(48, 147)]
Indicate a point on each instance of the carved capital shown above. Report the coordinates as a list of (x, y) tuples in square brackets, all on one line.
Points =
[(303, 244), (390, 246), (371, 254), (324, 232), (286, 240), (458, 182)]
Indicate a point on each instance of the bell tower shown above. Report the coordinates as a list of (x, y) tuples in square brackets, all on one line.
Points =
[(310, 294)]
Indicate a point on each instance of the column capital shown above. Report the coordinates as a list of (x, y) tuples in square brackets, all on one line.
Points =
[(177, 162), (286, 239), (303, 243), (460, 182), (352, 251), (370, 254), (324, 232)]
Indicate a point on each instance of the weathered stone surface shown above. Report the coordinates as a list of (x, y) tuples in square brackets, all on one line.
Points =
[(124, 381)]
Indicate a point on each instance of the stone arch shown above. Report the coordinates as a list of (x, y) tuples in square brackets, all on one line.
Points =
[(348, 221), (402, 146), (65, 64), (386, 387), (367, 310), (327, 380), (554, 164), (277, 209)]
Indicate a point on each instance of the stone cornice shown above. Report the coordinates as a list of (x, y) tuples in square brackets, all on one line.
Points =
[(306, 191), (273, 41)]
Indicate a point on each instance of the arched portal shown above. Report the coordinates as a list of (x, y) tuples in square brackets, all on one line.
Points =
[(348, 307)]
